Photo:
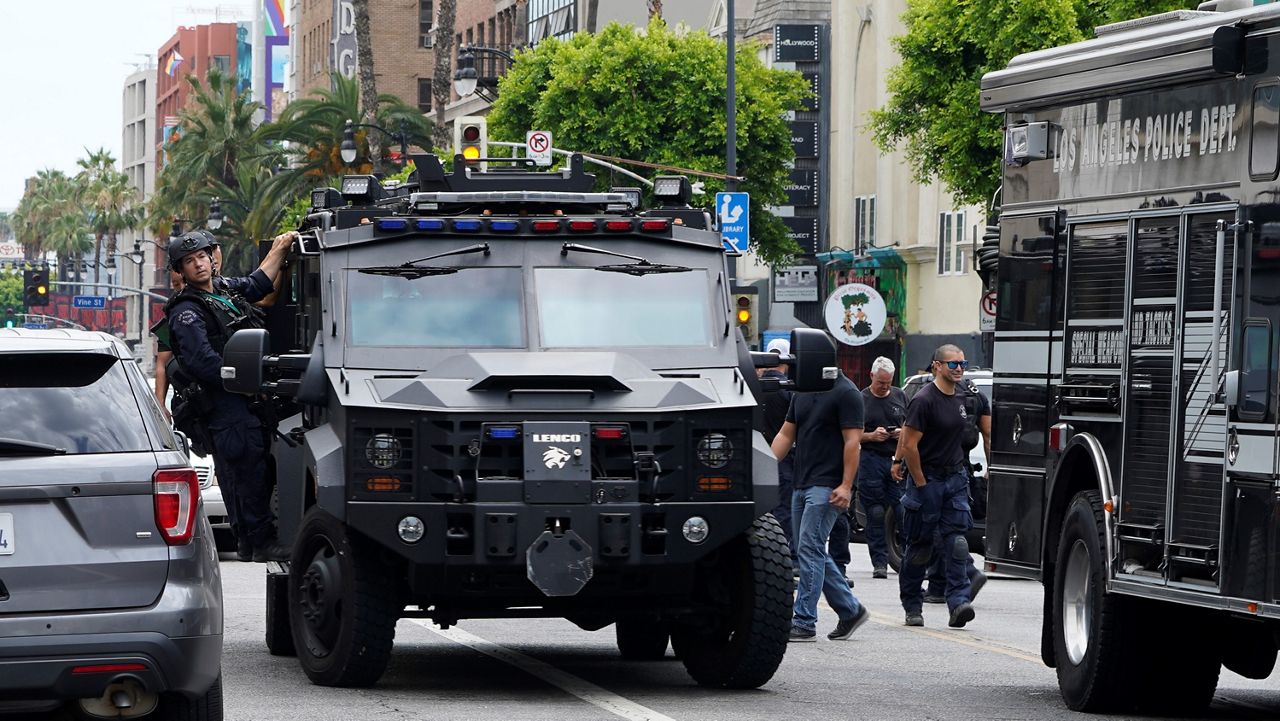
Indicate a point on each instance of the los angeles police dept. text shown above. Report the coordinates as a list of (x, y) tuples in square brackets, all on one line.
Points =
[(1154, 138)]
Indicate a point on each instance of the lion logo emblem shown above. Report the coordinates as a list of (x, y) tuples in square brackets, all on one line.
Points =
[(555, 457)]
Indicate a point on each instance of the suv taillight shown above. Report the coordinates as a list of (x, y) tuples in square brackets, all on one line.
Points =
[(177, 491)]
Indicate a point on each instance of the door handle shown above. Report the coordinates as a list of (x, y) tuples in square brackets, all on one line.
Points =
[(1233, 447)]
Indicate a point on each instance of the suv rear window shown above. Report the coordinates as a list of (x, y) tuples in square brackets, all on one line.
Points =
[(79, 402)]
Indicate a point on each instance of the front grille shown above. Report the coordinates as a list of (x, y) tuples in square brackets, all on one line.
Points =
[(205, 474)]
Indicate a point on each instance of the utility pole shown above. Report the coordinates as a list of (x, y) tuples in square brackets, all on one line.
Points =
[(731, 105)]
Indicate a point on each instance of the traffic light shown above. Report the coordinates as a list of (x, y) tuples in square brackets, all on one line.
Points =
[(745, 307), (471, 138), (35, 285), (10, 318)]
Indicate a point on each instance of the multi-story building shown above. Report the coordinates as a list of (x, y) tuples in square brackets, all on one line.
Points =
[(138, 162), (878, 226), (324, 42), (190, 51)]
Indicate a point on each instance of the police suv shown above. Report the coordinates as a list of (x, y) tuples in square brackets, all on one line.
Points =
[(505, 395)]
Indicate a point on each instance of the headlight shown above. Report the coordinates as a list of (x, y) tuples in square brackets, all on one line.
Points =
[(383, 451), (715, 450)]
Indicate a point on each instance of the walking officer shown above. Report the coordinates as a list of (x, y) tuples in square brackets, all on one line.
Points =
[(202, 317), (886, 409), (937, 498)]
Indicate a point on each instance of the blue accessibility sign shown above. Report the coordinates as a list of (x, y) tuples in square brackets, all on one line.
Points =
[(734, 212), (89, 301)]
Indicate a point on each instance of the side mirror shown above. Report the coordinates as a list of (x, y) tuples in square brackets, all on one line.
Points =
[(1231, 389), (813, 364), (242, 361), (184, 443)]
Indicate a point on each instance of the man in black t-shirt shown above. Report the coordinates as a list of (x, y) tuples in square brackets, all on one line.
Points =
[(886, 409), (937, 498), (825, 430)]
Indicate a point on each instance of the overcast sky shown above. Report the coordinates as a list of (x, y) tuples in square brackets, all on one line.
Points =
[(62, 70)]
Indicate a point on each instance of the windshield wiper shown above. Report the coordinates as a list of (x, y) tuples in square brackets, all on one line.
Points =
[(641, 266), (412, 271), (13, 446)]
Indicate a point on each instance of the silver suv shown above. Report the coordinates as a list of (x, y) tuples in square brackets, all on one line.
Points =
[(110, 593)]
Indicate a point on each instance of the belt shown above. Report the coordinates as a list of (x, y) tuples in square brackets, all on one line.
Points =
[(944, 470)]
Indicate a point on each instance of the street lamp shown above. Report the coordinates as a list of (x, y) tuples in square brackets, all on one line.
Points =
[(215, 214), (348, 149), (467, 79)]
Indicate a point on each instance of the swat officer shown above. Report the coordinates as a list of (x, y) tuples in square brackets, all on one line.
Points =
[(202, 317), (937, 499)]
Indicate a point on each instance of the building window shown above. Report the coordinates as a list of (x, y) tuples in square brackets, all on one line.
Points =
[(952, 259), (426, 16), (222, 63), (864, 223), (424, 95), (551, 19)]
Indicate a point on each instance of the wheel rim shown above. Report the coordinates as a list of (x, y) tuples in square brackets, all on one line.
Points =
[(1077, 602), (320, 600)]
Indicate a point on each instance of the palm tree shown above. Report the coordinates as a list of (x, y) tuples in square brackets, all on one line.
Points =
[(368, 81), (109, 199), (313, 127), (51, 217), (442, 79), (216, 136)]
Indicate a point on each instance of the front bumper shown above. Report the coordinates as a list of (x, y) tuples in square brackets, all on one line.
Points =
[(499, 534)]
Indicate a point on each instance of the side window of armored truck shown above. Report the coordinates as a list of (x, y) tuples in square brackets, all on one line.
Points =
[(1255, 366), (1264, 141)]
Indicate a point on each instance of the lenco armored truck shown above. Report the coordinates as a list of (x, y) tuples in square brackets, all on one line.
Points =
[(1136, 344), (505, 395)]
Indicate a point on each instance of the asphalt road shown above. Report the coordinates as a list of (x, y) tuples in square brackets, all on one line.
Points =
[(549, 669)]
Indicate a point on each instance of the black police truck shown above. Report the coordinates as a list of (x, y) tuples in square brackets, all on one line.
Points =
[(505, 395)]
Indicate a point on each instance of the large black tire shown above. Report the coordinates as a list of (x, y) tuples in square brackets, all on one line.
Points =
[(343, 610), (642, 639), (176, 707), (741, 643), (891, 539), (1092, 630)]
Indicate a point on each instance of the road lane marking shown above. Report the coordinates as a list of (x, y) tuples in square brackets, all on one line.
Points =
[(585, 690), (964, 640), (954, 636)]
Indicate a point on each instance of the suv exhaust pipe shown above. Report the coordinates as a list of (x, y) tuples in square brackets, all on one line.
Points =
[(124, 698)]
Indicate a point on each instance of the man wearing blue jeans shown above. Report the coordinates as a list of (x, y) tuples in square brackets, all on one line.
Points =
[(937, 498), (826, 432)]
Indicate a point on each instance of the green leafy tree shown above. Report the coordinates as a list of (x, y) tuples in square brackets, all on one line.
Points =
[(658, 96), (11, 290), (933, 112)]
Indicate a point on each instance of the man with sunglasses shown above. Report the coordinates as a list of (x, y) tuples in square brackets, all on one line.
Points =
[(931, 447), (202, 317)]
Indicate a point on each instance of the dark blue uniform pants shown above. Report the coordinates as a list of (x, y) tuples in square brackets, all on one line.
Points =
[(241, 460), (877, 491), (939, 507)]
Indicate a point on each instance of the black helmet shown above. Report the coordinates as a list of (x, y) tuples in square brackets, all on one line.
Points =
[(187, 243)]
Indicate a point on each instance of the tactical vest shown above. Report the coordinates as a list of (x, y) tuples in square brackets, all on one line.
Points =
[(224, 322)]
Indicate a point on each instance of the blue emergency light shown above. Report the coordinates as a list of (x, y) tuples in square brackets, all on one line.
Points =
[(392, 224), (504, 226), (504, 433), (429, 224), (466, 226)]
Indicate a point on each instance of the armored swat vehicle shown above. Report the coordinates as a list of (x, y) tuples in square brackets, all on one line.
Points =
[(504, 395)]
